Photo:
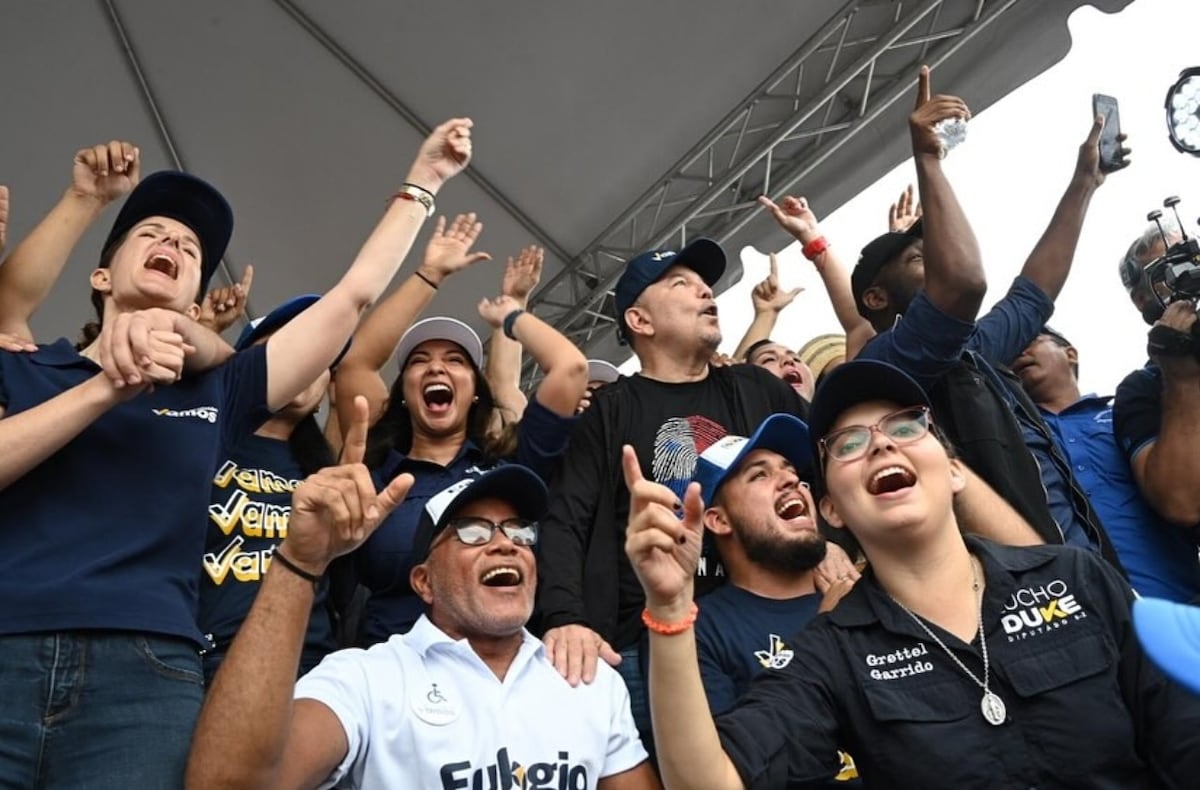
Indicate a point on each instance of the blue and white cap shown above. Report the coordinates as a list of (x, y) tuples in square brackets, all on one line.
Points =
[(779, 433)]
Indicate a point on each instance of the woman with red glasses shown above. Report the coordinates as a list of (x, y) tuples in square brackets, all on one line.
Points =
[(954, 662)]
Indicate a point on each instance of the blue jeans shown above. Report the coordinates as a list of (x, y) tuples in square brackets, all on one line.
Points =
[(96, 710), (634, 675)]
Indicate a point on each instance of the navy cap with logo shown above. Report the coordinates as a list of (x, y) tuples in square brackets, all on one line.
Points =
[(855, 382), (878, 254), (517, 485), (182, 197), (703, 256), (779, 433), (261, 327)]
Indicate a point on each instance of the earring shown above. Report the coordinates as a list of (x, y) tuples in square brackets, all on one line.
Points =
[(475, 399)]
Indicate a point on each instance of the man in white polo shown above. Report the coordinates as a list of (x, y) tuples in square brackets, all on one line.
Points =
[(466, 699)]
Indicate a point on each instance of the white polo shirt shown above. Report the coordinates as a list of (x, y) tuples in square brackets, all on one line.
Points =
[(423, 711)]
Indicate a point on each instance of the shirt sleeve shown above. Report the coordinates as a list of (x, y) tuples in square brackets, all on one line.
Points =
[(924, 343), (719, 687), (543, 438), (784, 729), (625, 749), (339, 684), (1137, 411), (1166, 717), (244, 382), (566, 529), (1012, 323)]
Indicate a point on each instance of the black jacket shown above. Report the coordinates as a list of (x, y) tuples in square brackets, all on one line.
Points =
[(1086, 708)]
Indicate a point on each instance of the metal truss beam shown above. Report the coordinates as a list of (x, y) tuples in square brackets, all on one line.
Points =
[(841, 79)]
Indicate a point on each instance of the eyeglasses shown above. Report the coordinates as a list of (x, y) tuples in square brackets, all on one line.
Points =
[(902, 427), (479, 531)]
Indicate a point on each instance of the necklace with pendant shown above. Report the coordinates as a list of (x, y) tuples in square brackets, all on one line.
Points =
[(992, 707)]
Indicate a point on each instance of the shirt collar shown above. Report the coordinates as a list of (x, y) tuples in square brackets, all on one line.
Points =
[(60, 354), (868, 603), (424, 636), (396, 460)]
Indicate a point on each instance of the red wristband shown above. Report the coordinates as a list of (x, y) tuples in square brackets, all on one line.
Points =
[(671, 629), (814, 248)]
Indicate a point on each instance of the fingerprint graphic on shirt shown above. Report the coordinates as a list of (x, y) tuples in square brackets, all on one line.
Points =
[(677, 445)]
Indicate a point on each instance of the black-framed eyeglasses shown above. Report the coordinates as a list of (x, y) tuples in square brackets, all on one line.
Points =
[(479, 531), (851, 443)]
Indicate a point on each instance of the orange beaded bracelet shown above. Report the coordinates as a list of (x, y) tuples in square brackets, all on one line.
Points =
[(671, 629)]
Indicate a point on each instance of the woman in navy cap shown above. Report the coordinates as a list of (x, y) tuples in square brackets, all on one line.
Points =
[(953, 662), (108, 454)]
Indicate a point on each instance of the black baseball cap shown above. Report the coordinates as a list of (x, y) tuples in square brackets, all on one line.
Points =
[(876, 255), (855, 382), (703, 256), (517, 485), (190, 200)]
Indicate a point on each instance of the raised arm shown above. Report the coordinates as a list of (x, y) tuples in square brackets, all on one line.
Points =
[(298, 352), (769, 300), (3, 218), (796, 217), (1050, 262), (905, 212), (99, 175), (222, 307), (665, 551), (286, 744), (954, 276), (521, 276), (564, 367), (448, 251)]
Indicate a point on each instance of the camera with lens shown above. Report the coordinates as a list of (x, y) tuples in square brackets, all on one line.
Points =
[(1171, 277)]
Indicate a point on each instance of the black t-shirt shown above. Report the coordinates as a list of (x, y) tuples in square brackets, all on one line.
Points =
[(584, 574), (1137, 409), (1086, 708)]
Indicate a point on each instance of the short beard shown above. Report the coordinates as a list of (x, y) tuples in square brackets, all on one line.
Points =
[(783, 556)]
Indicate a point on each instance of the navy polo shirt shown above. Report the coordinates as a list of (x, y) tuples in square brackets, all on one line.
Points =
[(383, 563), (105, 533), (1086, 708), (1159, 558)]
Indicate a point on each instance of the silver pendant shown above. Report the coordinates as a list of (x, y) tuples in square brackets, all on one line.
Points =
[(993, 709)]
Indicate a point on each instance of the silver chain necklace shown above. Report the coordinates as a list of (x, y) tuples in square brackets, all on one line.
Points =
[(992, 707)]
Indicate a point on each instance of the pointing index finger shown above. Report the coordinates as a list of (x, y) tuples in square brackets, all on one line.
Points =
[(774, 260), (247, 278), (631, 467), (922, 86), (355, 447)]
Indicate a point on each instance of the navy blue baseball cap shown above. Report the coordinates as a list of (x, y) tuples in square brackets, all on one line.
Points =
[(261, 327), (855, 382), (779, 433), (1170, 635), (185, 198), (877, 254), (703, 256), (517, 485)]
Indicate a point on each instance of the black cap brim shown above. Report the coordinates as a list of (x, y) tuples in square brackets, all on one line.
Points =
[(877, 254), (859, 381), (190, 200)]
